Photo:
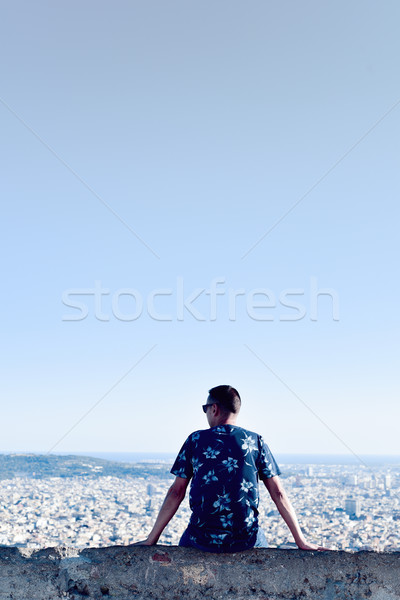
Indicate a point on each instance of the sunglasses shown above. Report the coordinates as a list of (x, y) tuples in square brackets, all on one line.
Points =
[(206, 406)]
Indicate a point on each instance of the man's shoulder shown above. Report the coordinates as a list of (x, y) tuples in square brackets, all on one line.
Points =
[(195, 436), (248, 432), (201, 436), (221, 430)]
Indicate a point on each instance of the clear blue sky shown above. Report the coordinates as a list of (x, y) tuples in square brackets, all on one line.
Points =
[(196, 127)]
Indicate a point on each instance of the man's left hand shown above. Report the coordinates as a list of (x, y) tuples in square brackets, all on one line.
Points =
[(143, 543)]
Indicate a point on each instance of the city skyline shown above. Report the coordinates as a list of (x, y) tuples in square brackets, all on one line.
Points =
[(343, 508)]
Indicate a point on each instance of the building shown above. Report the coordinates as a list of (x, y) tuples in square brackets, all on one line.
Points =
[(352, 507)]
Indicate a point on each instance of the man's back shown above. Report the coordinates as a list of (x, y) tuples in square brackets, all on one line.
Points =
[(225, 463)]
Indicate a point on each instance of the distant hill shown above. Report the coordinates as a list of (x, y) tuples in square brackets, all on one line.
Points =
[(37, 466)]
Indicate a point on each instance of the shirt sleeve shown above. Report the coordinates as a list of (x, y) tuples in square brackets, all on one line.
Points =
[(267, 466), (182, 466)]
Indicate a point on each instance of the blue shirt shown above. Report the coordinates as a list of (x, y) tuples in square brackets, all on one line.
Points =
[(225, 464)]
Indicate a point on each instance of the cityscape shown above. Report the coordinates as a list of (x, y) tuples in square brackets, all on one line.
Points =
[(93, 502)]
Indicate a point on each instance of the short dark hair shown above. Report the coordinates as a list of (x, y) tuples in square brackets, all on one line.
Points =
[(226, 397)]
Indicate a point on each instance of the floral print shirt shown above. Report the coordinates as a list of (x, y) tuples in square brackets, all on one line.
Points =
[(225, 464)]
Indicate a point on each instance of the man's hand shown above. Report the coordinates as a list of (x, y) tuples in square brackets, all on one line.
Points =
[(174, 497), (145, 542), (286, 510), (307, 546)]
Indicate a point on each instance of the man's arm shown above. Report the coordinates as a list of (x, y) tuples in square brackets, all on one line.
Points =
[(174, 497), (286, 510)]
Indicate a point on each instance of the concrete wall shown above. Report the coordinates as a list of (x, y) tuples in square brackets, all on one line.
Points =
[(170, 573)]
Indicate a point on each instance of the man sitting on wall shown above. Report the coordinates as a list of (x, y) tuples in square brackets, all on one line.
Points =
[(224, 464)]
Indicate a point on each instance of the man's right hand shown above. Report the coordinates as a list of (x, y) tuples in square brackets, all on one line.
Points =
[(307, 546)]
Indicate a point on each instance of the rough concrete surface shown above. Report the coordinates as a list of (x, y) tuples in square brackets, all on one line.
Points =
[(171, 573)]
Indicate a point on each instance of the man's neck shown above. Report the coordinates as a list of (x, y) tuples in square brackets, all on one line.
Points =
[(226, 421)]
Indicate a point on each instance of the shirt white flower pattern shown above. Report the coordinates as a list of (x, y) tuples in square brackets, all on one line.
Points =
[(196, 464), (249, 444), (230, 463), (211, 452), (225, 464), (245, 486), (222, 502), (210, 476)]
